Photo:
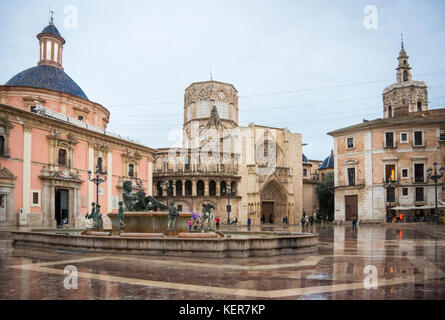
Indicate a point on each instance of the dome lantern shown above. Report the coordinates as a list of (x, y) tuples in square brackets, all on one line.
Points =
[(51, 45)]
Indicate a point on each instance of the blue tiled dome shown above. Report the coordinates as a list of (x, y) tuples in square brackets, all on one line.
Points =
[(51, 29), (328, 163), (305, 158), (47, 77)]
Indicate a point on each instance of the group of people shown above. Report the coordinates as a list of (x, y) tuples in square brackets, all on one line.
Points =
[(195, 222), (306, 221)]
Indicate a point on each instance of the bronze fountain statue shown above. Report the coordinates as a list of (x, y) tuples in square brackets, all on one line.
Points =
[(139, 202)]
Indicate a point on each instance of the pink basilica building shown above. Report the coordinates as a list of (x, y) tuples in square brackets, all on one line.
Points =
[(51, 135)]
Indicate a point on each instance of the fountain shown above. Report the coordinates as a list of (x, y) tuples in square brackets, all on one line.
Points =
[(149, 227)]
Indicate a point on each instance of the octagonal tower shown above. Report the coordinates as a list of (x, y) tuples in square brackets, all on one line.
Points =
[(207, 98)]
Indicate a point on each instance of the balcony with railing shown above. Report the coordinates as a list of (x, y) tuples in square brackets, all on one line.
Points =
[(215, 169)]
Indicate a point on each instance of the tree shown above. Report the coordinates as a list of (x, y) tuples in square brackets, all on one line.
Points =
[(325, 191)]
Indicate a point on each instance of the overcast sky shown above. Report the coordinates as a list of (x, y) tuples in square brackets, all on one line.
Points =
[(310, 66)]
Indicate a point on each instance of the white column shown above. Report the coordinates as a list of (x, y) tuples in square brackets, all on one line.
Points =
[(91, 186), (27, 169), (109, 181), (150, 178)]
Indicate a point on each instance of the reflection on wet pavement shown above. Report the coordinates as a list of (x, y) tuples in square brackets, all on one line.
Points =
[(397, 261)]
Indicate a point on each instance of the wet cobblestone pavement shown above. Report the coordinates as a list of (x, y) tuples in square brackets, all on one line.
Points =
[(407, 259)]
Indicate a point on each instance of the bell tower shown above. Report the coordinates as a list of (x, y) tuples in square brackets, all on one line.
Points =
[(209, 104), (51, 45), (403, 69), (405, 97)]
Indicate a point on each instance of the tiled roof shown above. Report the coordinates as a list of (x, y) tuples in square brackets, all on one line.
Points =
[(51, 29), (47, 77), (328, 163)]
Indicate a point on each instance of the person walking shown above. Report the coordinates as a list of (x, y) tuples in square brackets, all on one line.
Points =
[(217, 223), (354, 223), (190, 224), (303, 222), (249, 222)]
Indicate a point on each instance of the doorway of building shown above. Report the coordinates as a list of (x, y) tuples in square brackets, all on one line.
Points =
[(268, 211), (351, 208), (61, 212)]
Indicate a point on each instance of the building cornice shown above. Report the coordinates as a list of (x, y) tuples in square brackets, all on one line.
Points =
[(42, 122)]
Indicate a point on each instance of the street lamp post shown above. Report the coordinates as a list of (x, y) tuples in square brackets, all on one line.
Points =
[(435, 177), (390, 186), (228, 191), (97, 181)]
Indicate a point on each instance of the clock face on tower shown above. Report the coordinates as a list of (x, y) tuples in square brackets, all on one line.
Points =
[(221, 95)]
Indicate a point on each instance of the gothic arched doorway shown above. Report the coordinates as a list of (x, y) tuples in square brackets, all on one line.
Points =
[(273, 200)]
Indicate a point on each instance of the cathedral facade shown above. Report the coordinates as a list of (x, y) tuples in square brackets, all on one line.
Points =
[(252, 172)]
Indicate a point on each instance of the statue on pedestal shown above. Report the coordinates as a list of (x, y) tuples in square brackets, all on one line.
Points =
[(207, 215), (172, 215), (98, 224)]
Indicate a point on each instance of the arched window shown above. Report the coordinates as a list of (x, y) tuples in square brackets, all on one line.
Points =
[(419, 106), (212, 188), (179, 188), (131, 170), (200, 188), (159, 188), (233, 188), (405, 75), (170, 190), (223, 188), (166, 164), (62, 157), (188, 188), (389, 112)]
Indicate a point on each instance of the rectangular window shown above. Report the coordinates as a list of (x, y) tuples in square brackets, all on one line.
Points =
[(179, 207), (351, 176), (418, 138), (62, 157), (35, 198), (404, 137), (419, 172), (305, 172), (56, 52), (405, 192), (389, 140), (404, 173), (419, 194), (80, 118), (48, 50), (350, 143), (390, 172)]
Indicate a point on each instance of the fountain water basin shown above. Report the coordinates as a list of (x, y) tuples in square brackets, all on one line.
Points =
[(149, 222)]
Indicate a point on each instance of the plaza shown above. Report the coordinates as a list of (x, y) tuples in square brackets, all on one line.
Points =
[(409, 260)]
